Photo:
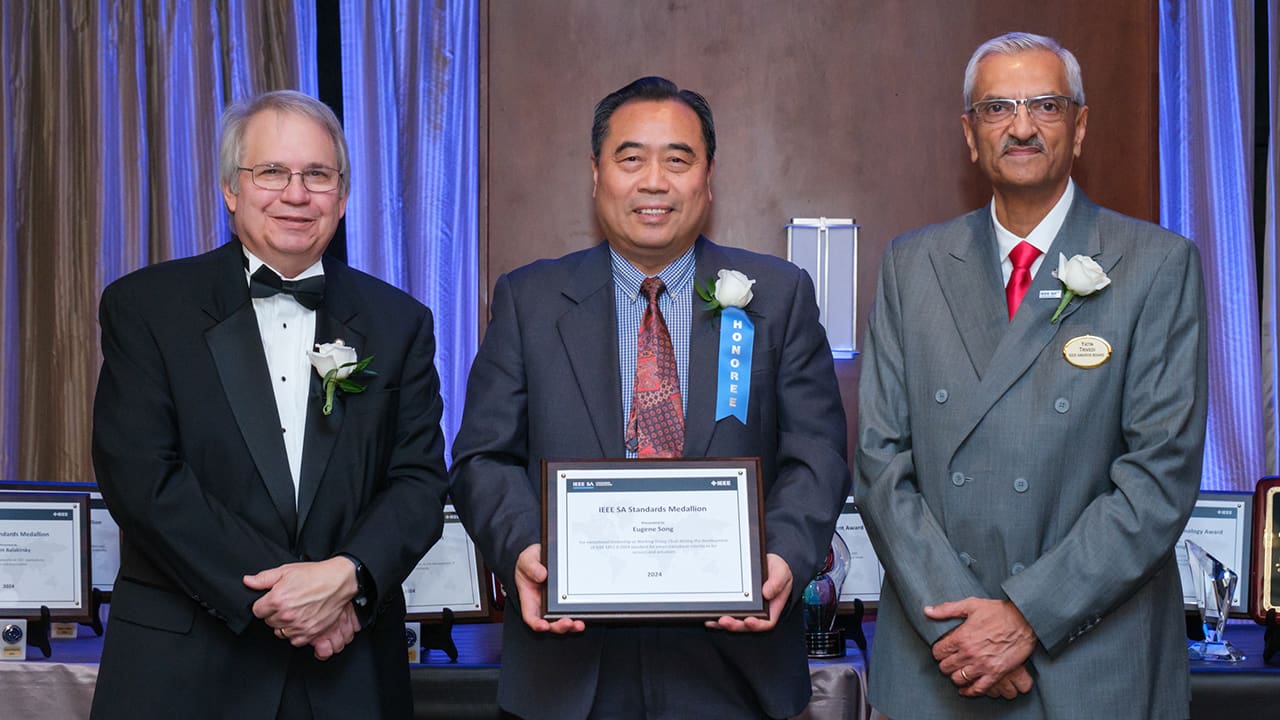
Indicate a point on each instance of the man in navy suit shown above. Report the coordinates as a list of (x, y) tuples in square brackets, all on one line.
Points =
[(266, 532), (554, 379)]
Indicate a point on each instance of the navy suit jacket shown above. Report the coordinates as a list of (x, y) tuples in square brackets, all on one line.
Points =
[(189, 457), (546, 384)]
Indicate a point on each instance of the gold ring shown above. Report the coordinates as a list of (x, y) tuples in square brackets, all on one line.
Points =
[(965, 675), (285, 636)]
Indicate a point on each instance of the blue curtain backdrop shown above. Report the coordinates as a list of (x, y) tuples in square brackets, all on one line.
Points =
[(108, 119), (108, 130), (1206, 143), (108, 124), (1270, 273), (410, 84)]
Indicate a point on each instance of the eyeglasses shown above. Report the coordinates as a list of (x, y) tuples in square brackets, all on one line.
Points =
[(1042, 108), (318, 179)]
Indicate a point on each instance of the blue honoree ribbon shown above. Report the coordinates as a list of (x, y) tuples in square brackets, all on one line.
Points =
[(733, 389)]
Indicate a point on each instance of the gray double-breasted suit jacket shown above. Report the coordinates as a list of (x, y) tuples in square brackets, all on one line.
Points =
[(990, 466), (188, 452), (546, 384)]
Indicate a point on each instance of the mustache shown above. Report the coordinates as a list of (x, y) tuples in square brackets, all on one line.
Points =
[(1034, 142)]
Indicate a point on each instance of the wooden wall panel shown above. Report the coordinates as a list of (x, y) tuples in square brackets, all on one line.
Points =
[(823, 107)]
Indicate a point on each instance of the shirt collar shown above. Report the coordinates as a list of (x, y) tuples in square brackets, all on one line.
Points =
[(678, 276), (1042, 235), (253, 262)]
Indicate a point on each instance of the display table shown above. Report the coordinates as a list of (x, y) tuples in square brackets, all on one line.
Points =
[(61, 687), (468, 689), (1250, 689)]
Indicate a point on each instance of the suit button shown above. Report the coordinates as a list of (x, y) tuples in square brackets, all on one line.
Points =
[(1020, 485), (957, 479), (966, 558), (1017, 568), (1061, 405), (941, 396)]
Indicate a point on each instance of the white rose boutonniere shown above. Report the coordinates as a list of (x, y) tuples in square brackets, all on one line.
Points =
[(1079, 276), (728, 296), (732, 289), (336, 362)]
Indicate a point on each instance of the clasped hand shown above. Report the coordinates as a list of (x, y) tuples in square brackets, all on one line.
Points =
[(987, 652), (309, 603)]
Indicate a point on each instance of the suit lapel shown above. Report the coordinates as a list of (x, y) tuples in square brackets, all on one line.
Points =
[(332, 322), (704, 355), (236, 346), (968, 272), (589, 331), (1030, 332)]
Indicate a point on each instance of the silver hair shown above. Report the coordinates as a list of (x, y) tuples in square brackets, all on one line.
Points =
[(1018, 42), (236, 117)]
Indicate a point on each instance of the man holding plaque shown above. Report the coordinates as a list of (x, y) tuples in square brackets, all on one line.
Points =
[(609, 353), (266, 433), (1031, 424)]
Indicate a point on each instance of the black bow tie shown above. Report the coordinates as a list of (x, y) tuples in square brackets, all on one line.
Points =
[(309, 292)]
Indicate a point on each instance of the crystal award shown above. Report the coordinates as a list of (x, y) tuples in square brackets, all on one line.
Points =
[(1215, 585)]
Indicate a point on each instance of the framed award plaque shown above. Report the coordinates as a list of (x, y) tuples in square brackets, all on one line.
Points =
[(450, 576), (1265, 579), (44, 555), (866, 574), (104, 534), (653, 539), (1222, 525)]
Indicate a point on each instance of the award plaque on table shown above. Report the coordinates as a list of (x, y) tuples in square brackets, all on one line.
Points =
[(1221, 524), (1265, 578), (653, 539), (44, 555), (866, 574), (450, 576), (104, 534)]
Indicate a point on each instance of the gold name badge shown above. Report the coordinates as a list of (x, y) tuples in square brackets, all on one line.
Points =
[(1087, 351)]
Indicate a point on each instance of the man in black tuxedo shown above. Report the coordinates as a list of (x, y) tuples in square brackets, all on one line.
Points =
[(265, 535), (553, 379)]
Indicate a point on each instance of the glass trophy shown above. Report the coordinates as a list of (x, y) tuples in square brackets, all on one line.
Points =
[(822, 603), (1215, 585)]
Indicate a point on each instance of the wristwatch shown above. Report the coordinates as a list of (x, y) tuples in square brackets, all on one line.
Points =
[(364, 581)]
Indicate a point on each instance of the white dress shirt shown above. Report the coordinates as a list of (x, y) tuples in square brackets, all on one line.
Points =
[(1041, 236), (288, 331)]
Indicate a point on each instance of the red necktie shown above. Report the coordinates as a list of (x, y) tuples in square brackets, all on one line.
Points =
[(655, 427), (1023, 256)]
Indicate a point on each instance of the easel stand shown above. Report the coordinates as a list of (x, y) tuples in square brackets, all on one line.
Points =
[(95, 612), (1271, 640), (440, 637), (38, 632)]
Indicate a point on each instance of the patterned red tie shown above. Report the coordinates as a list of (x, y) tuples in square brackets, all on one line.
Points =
[(655, 428), (1023, 256)]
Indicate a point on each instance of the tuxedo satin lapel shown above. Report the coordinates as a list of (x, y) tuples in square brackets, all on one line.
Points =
[(704, 355), (589, 331), (236, 346), (323, 431), (969, 275)]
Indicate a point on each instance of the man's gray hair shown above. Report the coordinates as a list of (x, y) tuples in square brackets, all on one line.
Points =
[(236, 117), (1018, 42)]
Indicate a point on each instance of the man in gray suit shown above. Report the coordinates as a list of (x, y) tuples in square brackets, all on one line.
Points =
[(1031, 425), (554, 379)]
